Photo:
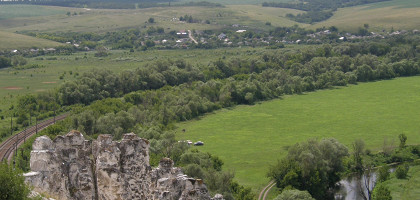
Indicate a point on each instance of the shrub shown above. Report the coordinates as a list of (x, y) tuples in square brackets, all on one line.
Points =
[(5, 62), (294, 195), (381, 192), (12, 185), (402, 171), (383, 173)]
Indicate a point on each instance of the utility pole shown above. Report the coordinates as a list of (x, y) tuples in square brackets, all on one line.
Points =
[(16, 143), (36, 125), (11, 124)]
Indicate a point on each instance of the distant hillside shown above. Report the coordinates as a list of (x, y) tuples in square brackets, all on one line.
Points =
[(318, 10), (319, 5), (113, 4)]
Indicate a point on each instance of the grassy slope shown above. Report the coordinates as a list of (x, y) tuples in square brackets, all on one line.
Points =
[(14, 11), (101, 20), (406, 189), (237, 2), (397, 14), (250, 138), (10, 41)]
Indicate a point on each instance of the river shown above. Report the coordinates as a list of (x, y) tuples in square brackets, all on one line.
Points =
[(351, 187)]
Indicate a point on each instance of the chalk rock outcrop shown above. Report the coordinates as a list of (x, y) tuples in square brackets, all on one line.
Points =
[(70, 167)]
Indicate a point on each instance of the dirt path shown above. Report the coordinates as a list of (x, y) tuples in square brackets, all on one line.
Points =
[(191, 37), (265, 190)]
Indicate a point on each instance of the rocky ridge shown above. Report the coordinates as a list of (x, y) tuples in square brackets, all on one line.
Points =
[(70, 167)]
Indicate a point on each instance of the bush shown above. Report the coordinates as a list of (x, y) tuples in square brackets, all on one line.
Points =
[(381, 192), (194, 170), (383, 173), (294, 195), (5, 62), (12, 185), (402, 171)]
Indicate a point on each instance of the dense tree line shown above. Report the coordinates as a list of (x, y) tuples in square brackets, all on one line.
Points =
[(320, 5), (100, 84), (311, 16), (317, 10)]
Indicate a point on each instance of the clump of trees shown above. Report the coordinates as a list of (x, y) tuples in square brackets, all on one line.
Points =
[(313, 166), (310, 16), (5, 62), (13, 61)]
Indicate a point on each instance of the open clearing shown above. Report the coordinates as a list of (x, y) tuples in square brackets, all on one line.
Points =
[(250, 138)]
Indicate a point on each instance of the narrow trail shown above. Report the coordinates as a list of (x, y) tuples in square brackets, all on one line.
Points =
[(265, 190), (191, 37), (8, 147)]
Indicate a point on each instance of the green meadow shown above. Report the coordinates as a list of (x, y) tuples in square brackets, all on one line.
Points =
[(251, 138)]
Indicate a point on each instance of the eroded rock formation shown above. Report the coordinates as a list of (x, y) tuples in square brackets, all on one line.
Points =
[(71, 167)]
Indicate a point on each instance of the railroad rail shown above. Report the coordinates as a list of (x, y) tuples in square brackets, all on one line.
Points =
[(8, 147)]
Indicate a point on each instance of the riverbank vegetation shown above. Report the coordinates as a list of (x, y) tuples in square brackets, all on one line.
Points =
[(317, 166)]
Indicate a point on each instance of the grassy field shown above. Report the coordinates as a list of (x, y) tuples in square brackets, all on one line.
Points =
[(102, 20), (406, 189), (251, 138), (11, 41), (15, 11), (397, 14)]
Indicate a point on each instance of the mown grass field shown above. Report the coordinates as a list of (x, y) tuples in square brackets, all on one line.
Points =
[(251, 138), (405, 189)]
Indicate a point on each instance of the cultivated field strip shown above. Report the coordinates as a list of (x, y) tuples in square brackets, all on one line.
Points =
[(11, 144)]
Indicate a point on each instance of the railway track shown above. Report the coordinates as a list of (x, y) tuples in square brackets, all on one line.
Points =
[(8, 147)]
